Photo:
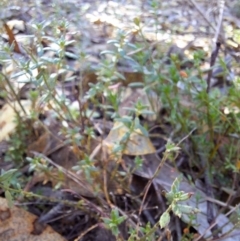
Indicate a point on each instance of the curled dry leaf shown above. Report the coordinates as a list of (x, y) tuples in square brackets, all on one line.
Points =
[(17, 224), (136, 145)]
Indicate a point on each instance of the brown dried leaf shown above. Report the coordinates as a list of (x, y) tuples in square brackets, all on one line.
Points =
[(17, 224), (138, 144)]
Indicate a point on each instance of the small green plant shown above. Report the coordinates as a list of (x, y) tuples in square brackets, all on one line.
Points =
[(18, 142), (88, 168), (5, 181), (114, 221), (183, 92), (175, 197)]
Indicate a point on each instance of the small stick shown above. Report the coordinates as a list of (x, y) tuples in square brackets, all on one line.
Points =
[(212, 62), (220, 20)]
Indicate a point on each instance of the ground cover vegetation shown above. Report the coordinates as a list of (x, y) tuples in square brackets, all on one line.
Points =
[(119, 120)]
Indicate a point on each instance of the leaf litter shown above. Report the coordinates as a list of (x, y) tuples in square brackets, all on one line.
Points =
[(93, 26)]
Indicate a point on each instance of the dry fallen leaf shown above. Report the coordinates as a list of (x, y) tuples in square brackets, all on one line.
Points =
[(16, 224), (8, 117), (136, 145)]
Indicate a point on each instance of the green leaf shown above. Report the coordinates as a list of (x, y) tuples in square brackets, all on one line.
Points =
[(117, 148), (107, 221), (138, 161), (142, 129), (120, 219), (176, 210), (184, 196), (176, 184), (169, 196), (124, 119), (187, 209), (164, 220), (6, 176), (136, 84), (112, 41), (147, 112), (71, 55), (8, 196), (136, 20), (120, 76), (125, 137), (115, 231), (107, 52)]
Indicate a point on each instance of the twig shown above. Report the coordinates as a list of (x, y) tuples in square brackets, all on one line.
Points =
[(214, 223), (203, 15), (52, 213), (146, 189), (212, 62), (86, 231), (209, 192), (218, 29), (161, 164), (74, 178)]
